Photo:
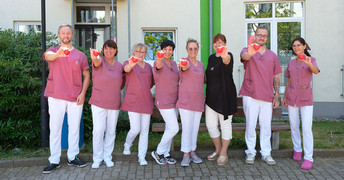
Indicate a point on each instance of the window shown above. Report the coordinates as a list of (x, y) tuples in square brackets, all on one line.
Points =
[(153, 39), (92, 24), (26, 27), (285, 21), (91, 36), (86, 14)]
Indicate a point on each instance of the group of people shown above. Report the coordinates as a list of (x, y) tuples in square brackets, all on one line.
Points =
[(179, 89)]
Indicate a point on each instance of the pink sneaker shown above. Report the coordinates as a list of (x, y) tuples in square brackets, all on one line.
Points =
[(307, 165), (297, 156)]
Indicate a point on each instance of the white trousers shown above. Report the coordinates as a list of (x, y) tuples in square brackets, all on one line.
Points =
[(104, 133), (307, 135), (171, 129), (139, 123), (57, 110), (212, 119), (254, 109), (190, 126)]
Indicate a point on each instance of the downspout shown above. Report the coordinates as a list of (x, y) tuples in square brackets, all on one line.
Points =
[(112, 35), (72, 19), (210, 27), (129, 32)]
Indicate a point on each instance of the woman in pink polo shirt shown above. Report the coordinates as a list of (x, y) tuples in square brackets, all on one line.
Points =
[(166, 79), (298, 96), (107, 74), (191, 101), (138, 100)]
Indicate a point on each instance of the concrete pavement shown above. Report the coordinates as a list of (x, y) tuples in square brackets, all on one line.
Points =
[(328, 164)]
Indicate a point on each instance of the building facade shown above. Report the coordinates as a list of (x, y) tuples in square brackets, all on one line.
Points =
[(148, 21)]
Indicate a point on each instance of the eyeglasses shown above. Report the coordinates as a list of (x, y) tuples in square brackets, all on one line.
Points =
[(141, 52), (193, 49), (297, 45), (262, 36)]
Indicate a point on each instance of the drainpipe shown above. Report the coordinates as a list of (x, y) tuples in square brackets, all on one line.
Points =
[(72, 19), (44, 101), (129, 32), (112, 35), (210, 27)]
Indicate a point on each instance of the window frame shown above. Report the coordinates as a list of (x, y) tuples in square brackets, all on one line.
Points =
[(274, 21), (165, 29), (107, 13), (16, 25)]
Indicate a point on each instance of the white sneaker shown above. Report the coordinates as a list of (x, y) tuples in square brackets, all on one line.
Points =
[(268, 159), (250, 158), (142, 161), (109, 163), (95, 165), (126, 150)]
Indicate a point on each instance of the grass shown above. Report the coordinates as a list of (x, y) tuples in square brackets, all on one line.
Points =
[(321, 133)]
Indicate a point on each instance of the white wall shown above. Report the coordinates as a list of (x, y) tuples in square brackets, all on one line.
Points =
[(13, 11), (233, 27), (324, 33), (182, 15), (57, 12)]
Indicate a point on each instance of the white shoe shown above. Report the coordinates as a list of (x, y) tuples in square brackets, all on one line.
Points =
[(126, 150), (142, 161), (268, 159), (250, 158), (109, 163), (95, 165)]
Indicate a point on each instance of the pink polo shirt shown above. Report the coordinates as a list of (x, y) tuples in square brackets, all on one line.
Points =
[(166, 85), (107, 81), (299, 91), (65, 75), (191, 88), (138, 97), (259, 72)]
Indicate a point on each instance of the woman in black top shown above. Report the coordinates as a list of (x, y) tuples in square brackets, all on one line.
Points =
[(221, 98)]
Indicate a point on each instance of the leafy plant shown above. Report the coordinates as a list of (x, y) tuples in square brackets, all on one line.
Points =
[(20, 87)]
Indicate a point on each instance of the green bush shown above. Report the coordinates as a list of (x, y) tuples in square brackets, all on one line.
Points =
[(20, 87)]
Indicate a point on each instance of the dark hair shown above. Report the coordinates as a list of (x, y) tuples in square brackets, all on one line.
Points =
[(219, 36), (111, 44), (303, 42), (166, 43)]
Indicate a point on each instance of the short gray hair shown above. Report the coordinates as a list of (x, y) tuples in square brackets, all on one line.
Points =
[(138, 45), (190, 40), (65, 25)]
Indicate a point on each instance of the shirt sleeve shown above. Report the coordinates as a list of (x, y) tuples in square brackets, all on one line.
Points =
[(277, 66), (287, 73), (155, 69), (84, 65), (53, 49), (314, 62)]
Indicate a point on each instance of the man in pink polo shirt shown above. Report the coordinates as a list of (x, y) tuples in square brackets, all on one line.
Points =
[(66, 93), (262, 68)]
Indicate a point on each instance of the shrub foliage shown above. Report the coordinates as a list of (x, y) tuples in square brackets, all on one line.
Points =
[(20, 87)]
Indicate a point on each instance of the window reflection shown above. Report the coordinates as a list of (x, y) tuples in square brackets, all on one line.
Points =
[(286, 33), (90, 14), (153, 41), (289, 9), (263, 10)]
